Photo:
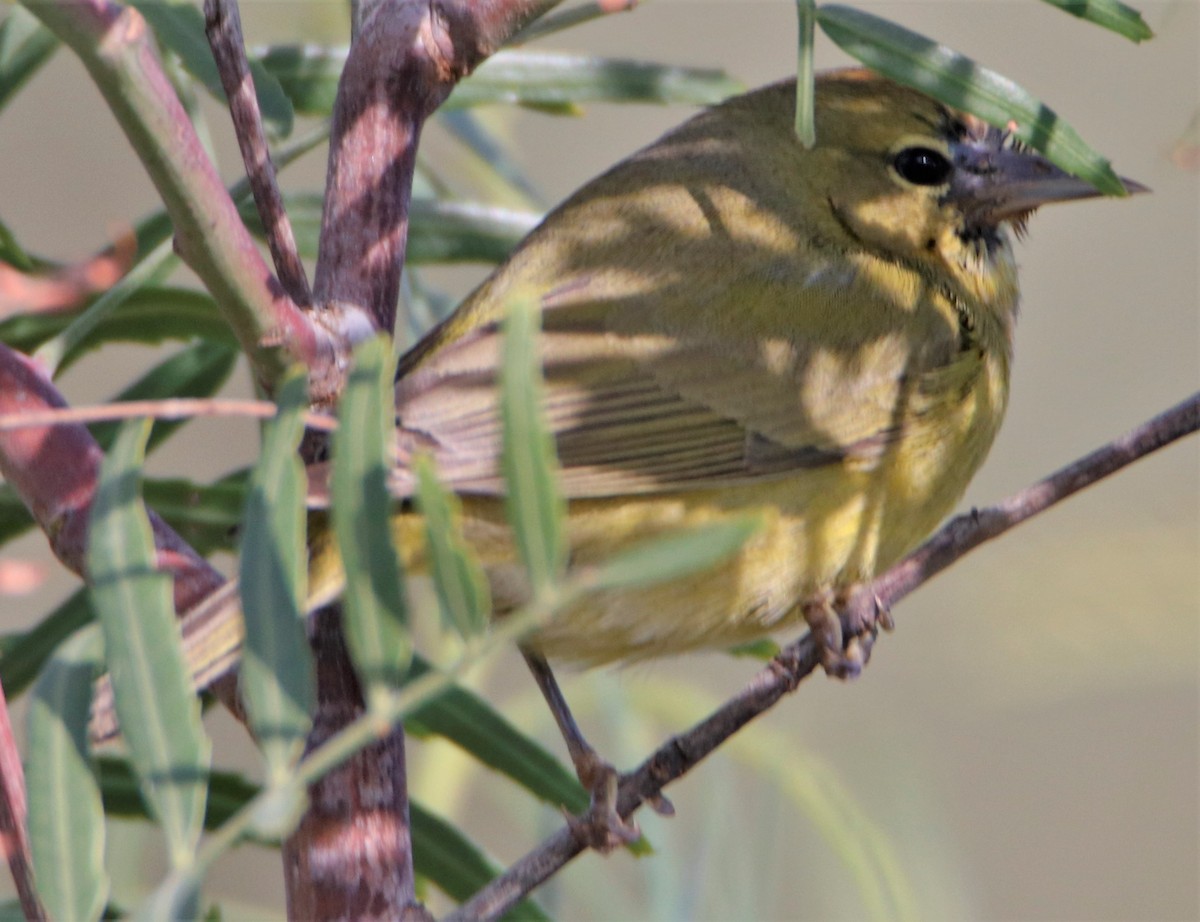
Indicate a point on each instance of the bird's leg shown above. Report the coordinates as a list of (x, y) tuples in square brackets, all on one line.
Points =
[(842, 658), (601, 827)]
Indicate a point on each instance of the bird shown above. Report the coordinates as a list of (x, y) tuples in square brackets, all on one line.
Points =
[(735, 323)]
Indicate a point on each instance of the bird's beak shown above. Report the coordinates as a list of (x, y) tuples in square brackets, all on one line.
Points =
[(993, 184)]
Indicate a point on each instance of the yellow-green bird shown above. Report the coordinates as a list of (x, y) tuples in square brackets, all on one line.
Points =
[(736, 324)]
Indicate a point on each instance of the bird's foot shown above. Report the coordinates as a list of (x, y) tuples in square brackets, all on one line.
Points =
[(843, 657), (601, 827)]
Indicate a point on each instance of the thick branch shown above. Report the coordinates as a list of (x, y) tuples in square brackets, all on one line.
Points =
[(113, 43), (405, 59), (959, 536)]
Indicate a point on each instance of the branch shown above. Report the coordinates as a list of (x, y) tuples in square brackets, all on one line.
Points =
[(351, 855), (14, 837), (223, 26), (114, 44), (405, 59), (54, 469), (66, 287), (795, 662)]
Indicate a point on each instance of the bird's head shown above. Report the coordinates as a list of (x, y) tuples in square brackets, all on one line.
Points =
[(900, 174)]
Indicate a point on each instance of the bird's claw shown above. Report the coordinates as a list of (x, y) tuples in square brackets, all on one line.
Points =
[(602, 827), (841, 657)]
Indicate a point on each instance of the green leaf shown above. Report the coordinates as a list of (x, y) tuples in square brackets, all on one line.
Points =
[(1109, 14), (448, 232), (307, 74), (456, 864), (806, 130), (197, 370), (674, 555), (15, 519), (25, 45), (23, 660), (763, 649), (160, 717), (556, 82), (536, 509), (205, 516), (458, 577), (148, 315), (66, 818), (475, 726), (439, 232), (564, 81), (375, 607), (493, 167), (958, 81), (176, 898), (180, 27), (228, 792), (11, 251), (276, 678)]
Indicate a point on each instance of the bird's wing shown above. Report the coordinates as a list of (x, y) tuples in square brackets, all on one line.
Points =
[(647, 395)]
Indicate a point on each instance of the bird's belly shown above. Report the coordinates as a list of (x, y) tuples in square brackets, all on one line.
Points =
[(823, 528)]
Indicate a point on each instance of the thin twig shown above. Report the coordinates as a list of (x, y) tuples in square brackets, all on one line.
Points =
[(223, 26), (168, 408), (14, 837), (796, 661), (569, 18)]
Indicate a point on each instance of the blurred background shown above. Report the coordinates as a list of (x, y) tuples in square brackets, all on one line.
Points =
[(1026, 745)]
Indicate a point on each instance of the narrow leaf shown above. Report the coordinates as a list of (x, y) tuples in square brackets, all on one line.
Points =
[(227, 792), (25, 45), (555, 82), (206, 516), (148, 315), (458, 577), (675, 555), (806, 129), (66, 817), (492, 166), (536, 510), (180, 27), (550, 79), (958, 81), (15, 519), (160, 717), (176, 898), (376, 616), (11, 251), (23, 660), (439, 232), (276, 675), (457, 865), (1109, 14), (475, 726)]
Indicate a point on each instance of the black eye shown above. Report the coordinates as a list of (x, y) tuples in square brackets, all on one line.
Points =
[(923, 166)]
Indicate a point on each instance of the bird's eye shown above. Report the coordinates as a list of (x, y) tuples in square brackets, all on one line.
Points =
[(923, 166)]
